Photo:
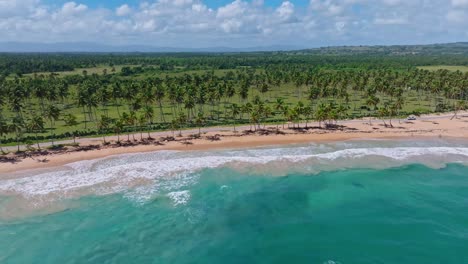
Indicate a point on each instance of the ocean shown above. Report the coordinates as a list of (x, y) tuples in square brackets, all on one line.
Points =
[(359, 201)]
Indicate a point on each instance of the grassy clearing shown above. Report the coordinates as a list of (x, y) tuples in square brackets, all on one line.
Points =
[(445, 67), (93, 70)]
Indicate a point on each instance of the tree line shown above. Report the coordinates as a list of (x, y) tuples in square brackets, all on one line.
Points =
[(33, 108)]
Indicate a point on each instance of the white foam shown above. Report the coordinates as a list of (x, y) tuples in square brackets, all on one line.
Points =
[(180, 197), (168, 170)]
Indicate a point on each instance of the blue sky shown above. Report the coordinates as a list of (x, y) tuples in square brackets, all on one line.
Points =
[(235, 23)]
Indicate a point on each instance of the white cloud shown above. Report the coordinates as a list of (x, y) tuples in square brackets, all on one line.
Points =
[(285, 11), (123, 10), (240, 22), (234, 9), (71, 8)]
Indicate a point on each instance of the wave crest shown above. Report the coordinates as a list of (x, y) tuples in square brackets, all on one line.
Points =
[(163, 170)]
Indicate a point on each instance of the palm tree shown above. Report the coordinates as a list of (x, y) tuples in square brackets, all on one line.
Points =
[(148, 113), (254, 119), (159, 95), (131, 120), (399, 102), (182, 119), (103, 126), (4, 129), (17, 126), (460, 105), (200, 119), (285, 110), (118, 127), (308, 113), (372, 100), (235, 112), (70, 121), (321, 114), (174, 125), (53, 114), (247, 109), (36, 125), (142, 122), (383, 112), (279, 104)]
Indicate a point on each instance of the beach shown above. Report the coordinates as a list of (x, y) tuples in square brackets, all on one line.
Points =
[(253, 197), (429, 126)]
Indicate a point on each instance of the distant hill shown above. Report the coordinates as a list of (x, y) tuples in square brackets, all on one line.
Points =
[(94, 47), (459, 48)]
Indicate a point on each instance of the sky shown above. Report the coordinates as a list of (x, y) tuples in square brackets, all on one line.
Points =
[(235, 23)]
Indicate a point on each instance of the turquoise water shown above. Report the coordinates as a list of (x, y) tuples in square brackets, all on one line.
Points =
[(406, 213)]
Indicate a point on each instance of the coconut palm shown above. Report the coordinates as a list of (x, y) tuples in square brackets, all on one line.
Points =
[(36, 125), (71, 121), (321, 114), (17, 126), (52, 113), (200, 120), (118, 127), (308, 112), (4, 129), (235, 112), (181, 120), (103, 126), (148, 113), (373, 101)]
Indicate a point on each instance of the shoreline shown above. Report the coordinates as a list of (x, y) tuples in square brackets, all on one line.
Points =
[(431, 127)]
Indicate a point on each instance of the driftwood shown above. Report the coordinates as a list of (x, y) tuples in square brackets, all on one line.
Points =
[(87, 148), (5, 159), (214, 138), (167, 139)]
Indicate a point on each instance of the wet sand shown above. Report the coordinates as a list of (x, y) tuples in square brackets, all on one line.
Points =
[(434, 126)]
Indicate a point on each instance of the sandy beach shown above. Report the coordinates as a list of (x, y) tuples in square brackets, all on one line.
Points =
[(434, 126)]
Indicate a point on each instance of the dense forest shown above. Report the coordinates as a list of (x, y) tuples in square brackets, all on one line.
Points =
[(51, 96)]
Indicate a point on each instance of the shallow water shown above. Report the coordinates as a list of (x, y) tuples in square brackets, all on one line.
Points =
[(344, 202)]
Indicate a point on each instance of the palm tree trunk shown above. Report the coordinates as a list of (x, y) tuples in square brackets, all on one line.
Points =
[(51, 133), (37, 142), (161, 112), (84, 115)]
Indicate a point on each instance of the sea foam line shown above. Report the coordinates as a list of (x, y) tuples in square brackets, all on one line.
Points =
[(120, 174)]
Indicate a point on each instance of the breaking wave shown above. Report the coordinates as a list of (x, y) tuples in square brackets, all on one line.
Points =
[(141, 177)]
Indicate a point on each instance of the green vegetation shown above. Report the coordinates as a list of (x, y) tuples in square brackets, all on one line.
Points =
[(445, 67), (102, 94)]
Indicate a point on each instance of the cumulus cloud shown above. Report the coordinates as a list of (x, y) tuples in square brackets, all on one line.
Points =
[(285, 11), (240, 22), (123, 10)]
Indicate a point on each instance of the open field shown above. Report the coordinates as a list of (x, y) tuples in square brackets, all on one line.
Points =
[(445, 67), (90, 71)]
